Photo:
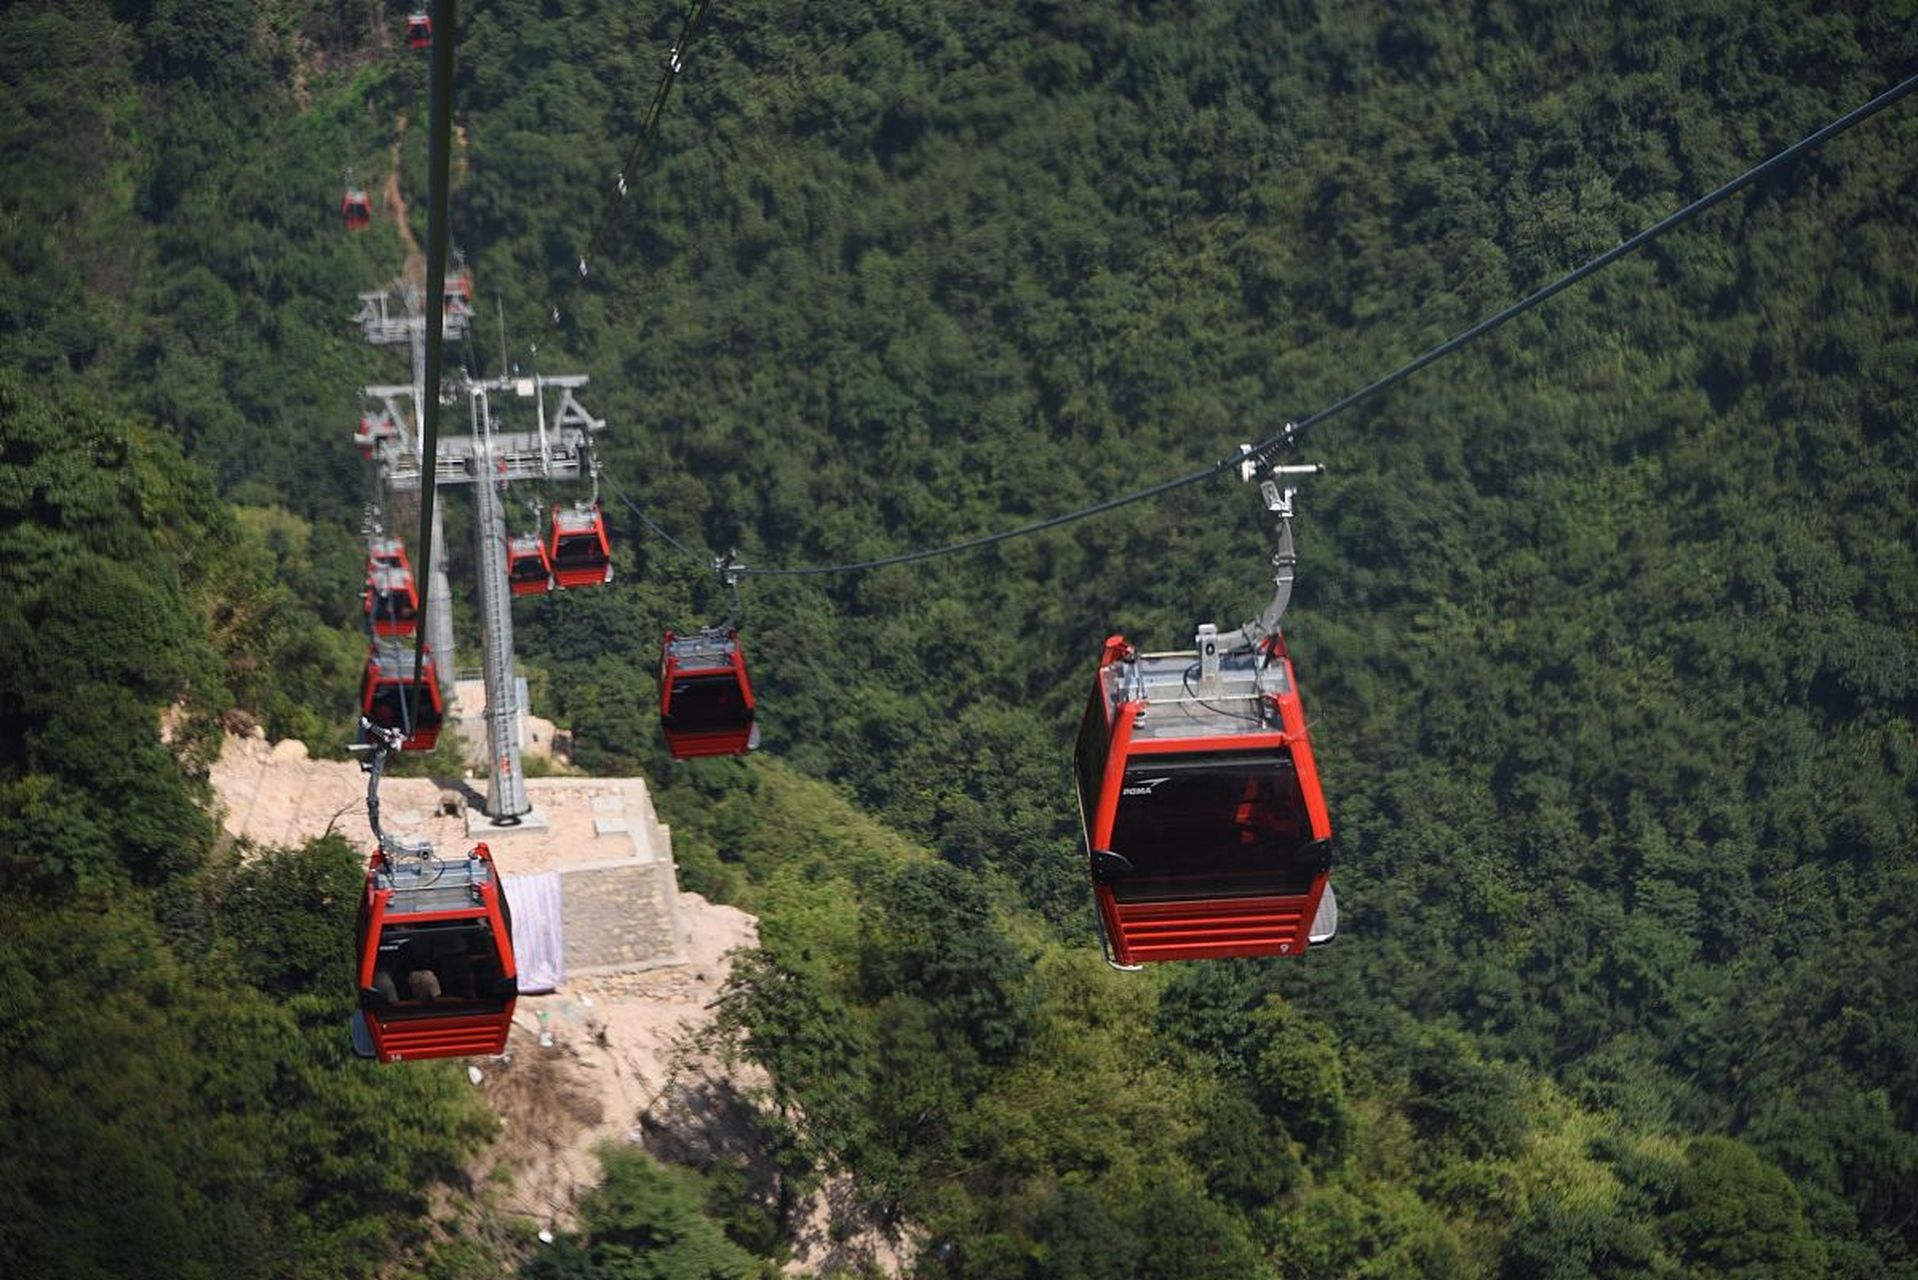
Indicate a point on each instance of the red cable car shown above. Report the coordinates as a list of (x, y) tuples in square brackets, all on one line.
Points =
[(579, 552), (373, 429), (392, 605), (458, 293), (419, 31), (436, 975), (386, 553), (1199, 800), (386, 696), (705, 700), (528, 571), (356, 210)]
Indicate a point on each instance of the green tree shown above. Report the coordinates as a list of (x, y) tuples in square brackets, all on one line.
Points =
[(643, 1222), (1738, 1217)]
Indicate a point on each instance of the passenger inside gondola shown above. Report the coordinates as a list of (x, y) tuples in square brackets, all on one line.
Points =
[(444, 967)]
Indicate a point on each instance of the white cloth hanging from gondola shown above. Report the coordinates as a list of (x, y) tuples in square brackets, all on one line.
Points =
[(539, 937)]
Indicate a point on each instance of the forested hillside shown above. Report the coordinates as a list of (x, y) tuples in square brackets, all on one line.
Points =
[(1605, 624)]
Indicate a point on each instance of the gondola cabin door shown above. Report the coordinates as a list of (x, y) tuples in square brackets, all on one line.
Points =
[(1199, 798), (437, 975)]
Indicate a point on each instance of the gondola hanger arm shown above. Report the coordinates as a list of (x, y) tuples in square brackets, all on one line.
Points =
[(384, 740), (1285, 558)]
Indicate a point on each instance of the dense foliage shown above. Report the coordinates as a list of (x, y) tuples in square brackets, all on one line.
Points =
[(1606, 623), (177, 1094)]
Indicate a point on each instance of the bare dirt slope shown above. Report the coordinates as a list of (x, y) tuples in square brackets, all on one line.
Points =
[(587, 1063)]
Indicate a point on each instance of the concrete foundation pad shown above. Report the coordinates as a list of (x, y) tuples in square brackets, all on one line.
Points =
[(481, 827)]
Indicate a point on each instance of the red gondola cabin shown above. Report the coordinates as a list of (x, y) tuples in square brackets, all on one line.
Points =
[(459, 294), (392, 603), (579, 552), (386, 696), (528, 571), (373, 429), (1199, 800), (419, 31), (705, 700), (356, 210), (437, 977), (386, 553)]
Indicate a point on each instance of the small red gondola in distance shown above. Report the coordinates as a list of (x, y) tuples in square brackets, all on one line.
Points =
[(437, 976), (579, 552), (419, 30), (373, 429), (386, 553), (1199, 801), (706, 703), (386, 696), (528, 571), (392, 604), (356, 210)]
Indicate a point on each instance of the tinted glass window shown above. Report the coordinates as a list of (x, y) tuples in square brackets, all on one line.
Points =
[(707, 702), (1213, 824), (393, 702), (579, 551), (427, 970)]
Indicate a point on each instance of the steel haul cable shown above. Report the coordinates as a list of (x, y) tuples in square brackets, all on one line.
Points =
[(689, 30), (1263, 451), (445, 23)]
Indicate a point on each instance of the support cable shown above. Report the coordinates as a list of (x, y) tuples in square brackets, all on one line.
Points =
[(1857, 115), (445, 27), (693, 24), (1252, 457)]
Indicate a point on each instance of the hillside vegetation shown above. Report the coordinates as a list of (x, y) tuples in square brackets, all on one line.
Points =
[(1605, 624)]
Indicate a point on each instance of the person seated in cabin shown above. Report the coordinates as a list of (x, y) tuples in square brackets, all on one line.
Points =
[(384, 984), (423, 986)]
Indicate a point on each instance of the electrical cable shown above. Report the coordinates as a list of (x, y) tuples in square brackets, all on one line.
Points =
[(1262, 452)]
